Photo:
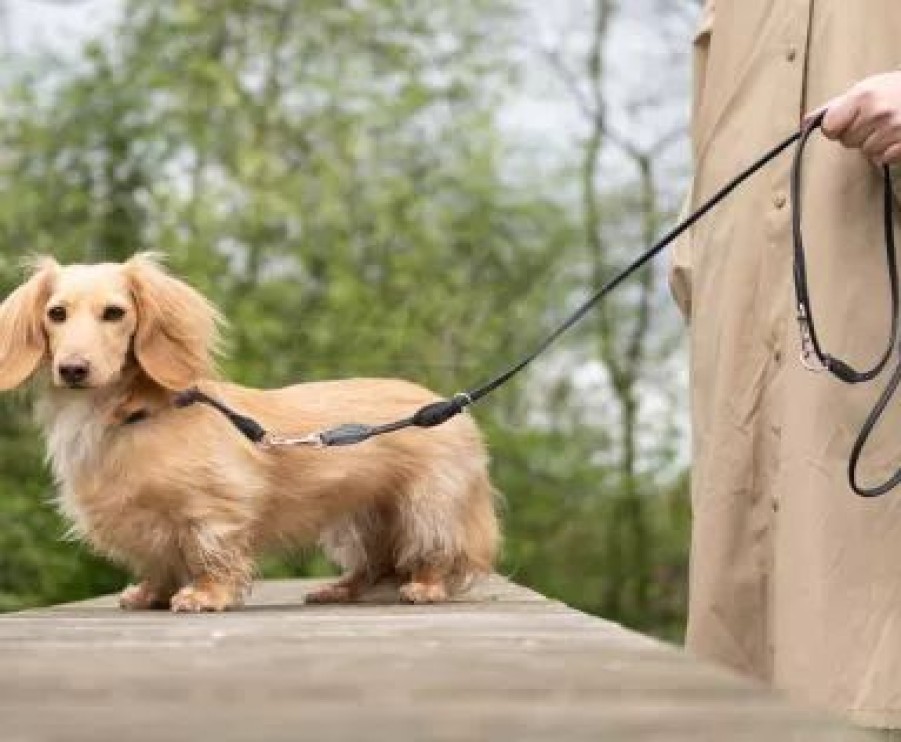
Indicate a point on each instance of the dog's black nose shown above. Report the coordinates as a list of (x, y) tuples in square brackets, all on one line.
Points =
[(74, 372)]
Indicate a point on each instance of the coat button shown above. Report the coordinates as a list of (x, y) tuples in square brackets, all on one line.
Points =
[(791, 54), (779, 200)]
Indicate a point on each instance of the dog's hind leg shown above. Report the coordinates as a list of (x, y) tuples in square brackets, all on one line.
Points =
[(361, 545), (447, 535)]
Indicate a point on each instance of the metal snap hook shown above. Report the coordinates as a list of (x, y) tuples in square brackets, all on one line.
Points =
[(809, 357), (272, 440)]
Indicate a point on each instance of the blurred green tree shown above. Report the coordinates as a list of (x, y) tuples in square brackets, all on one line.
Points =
[(334, 176)]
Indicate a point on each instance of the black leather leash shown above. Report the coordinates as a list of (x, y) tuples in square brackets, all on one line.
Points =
[(813, 356), (443, 410)]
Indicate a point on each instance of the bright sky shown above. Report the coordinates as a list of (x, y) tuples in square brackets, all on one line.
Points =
[(58, 25), (636, 56)]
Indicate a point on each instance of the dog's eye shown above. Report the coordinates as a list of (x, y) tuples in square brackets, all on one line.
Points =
[(56, 314), (112, 313)]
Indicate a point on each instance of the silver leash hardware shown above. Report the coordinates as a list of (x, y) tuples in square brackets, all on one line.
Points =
[(809, 358), (463, 399), (273, 440)]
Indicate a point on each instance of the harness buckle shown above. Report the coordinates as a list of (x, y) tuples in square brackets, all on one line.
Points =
[(809, 358)]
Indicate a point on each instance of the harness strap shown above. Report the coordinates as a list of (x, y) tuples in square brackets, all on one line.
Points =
[(136, 417), (249, 427)]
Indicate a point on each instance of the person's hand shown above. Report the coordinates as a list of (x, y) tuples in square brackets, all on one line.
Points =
[(868, 117)]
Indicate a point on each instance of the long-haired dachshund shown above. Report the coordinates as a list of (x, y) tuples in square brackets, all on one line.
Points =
[(183, 499)]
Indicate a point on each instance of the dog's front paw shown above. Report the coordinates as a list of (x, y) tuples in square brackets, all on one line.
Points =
[(192, 599), (423, 592), (142, 597)]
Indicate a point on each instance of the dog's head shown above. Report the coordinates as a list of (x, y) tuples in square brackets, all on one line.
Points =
[(89, 323)]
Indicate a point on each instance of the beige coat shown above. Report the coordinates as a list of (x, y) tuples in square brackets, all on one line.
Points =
[(794, 578)]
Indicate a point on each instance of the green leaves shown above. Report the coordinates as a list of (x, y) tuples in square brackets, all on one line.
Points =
[(332, 175)]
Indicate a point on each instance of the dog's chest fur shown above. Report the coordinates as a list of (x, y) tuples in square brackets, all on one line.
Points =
[(74, 433), (130, 512)]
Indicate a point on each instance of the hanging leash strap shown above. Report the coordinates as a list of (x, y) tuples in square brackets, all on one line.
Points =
[(813, 356)]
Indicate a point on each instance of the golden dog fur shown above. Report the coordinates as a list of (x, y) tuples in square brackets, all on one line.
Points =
[(182, 499)]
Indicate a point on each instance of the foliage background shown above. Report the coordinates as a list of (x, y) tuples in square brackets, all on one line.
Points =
[(361, 187)]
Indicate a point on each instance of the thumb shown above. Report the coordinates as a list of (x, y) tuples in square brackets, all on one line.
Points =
[(840, 115)]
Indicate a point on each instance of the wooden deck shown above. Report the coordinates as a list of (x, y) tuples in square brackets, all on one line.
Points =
[(506, 664)]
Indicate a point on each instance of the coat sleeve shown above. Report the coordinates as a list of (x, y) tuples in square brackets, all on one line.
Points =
[(681, 263)]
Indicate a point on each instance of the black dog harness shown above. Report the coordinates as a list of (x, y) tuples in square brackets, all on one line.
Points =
[(813, 356)]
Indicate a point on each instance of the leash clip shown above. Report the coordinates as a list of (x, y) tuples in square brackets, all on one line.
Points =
[(273, 440), (809, 358)]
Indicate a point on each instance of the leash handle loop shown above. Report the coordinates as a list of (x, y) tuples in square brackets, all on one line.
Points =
[(813, 357)]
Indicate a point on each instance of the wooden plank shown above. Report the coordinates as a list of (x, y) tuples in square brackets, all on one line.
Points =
[(504, 663)]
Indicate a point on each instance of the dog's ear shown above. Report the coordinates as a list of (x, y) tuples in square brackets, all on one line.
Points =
[(177, 336), (23, 343)]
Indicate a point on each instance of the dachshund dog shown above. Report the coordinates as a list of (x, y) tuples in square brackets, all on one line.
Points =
[(182, 499)]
